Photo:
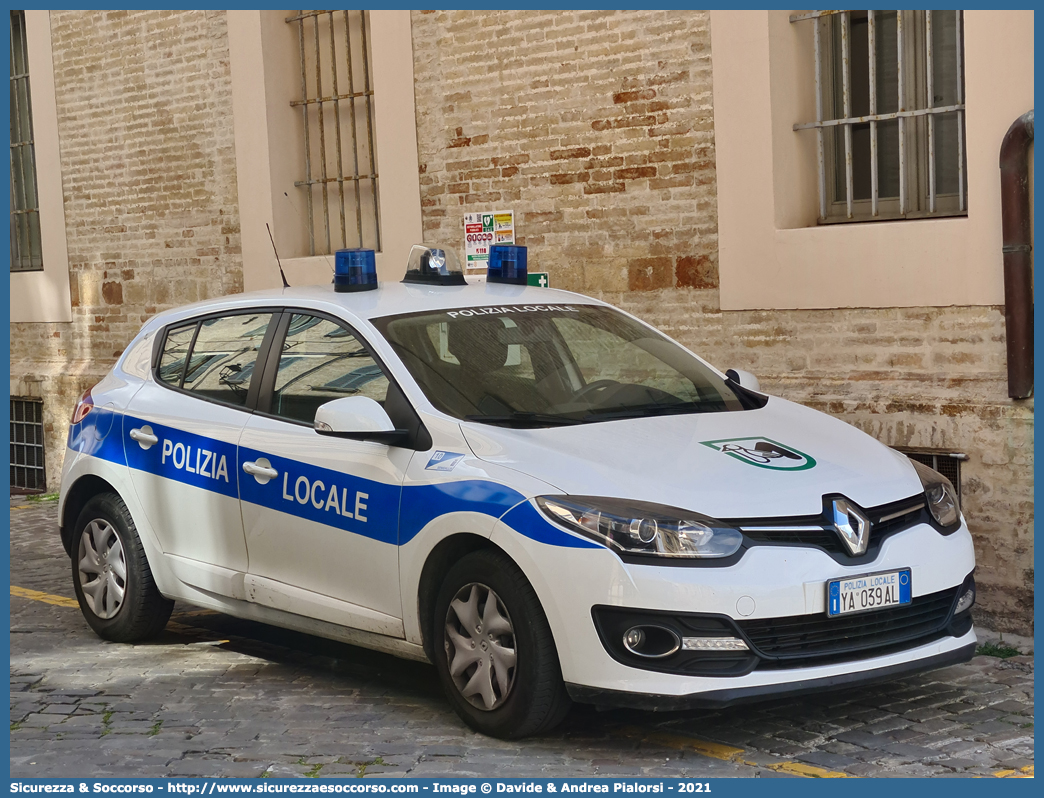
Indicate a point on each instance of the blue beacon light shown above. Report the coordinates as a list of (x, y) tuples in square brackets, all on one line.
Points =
[(507, 264), (355, 270)]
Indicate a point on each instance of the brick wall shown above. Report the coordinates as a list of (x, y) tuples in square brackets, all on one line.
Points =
[(148, 172), (597, 129)]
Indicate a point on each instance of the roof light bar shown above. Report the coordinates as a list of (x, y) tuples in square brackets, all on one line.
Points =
[(433, 266), (507, 264), (355, 270)]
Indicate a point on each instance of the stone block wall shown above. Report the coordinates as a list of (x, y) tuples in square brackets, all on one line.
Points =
[(932, 378), (148, 170)]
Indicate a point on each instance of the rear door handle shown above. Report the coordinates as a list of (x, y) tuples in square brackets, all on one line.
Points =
[(144, 436), (261, 470)]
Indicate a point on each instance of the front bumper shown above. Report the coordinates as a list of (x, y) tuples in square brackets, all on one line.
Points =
[(741, 695), (768, 583)]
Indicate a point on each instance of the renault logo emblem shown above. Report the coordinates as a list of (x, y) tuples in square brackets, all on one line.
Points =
[(852, 526)]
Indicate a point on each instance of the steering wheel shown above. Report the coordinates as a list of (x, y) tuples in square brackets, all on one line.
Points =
[(593, 387)]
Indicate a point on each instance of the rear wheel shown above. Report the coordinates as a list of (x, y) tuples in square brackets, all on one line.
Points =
[(111, 574), (494, 650)]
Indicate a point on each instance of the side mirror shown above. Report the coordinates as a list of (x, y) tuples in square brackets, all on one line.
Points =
[(357, 418), (744, 378)]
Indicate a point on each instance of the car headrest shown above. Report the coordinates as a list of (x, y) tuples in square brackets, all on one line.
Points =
[(477, 343)]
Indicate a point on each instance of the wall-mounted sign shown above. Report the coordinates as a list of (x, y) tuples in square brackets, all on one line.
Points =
[(481, 231), (538, 278)]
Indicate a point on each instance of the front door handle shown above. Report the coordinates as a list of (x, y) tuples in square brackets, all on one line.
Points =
[(261, 470), (144, 436)]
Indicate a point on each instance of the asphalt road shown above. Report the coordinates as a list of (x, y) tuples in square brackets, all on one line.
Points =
[(216, 696)]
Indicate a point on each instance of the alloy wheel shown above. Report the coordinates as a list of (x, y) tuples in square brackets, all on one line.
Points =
[(102, 568), (480, 646)]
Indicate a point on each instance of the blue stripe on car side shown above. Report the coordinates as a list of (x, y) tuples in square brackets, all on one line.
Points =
[(529, 521), (360, 506), (421, 504), (184, 457), (329, 497), (93, 436)]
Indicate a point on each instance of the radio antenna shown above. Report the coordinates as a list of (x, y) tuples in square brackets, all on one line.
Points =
[(276, 251)]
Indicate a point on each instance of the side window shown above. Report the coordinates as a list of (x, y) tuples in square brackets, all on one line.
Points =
[(223, 356), (322, 361), (175, 354)]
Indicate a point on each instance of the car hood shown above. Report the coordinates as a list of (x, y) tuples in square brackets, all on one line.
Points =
[(778, 460)]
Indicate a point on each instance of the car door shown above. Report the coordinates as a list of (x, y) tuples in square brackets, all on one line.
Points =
[(321, 513), (181, 431)]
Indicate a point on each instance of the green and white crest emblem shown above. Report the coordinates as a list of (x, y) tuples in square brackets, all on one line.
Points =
[(763, 453)]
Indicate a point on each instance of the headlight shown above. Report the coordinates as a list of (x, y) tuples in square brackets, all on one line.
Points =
[(643, 528), (942, 498)]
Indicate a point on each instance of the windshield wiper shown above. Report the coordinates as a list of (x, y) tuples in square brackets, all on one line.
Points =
[(644, 411), (524, 420)]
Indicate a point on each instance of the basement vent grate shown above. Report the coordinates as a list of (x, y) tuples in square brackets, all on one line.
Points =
[(27, 446), (946, 463)]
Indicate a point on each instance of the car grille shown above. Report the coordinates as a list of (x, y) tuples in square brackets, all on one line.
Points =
[(885, 520), (792, 642), (802, 640)]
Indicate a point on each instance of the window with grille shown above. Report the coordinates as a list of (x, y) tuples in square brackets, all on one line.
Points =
[(26, 254), (946, 463), (889, 113), (27, 446), (340, 162)]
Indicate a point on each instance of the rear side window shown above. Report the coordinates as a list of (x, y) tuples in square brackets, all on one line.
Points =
[(175, 354), (221, 356)]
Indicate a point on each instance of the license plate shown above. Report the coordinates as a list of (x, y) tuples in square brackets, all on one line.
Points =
[(868, 592)]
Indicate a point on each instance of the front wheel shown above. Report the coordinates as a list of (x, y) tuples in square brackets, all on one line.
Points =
[(494, 651), (111, 574)]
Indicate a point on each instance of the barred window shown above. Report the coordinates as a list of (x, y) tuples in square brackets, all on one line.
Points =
[(27, 446), (340, 162), (889, 114), (26, 254)]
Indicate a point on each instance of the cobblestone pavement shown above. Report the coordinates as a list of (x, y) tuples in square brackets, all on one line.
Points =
[(216, 696)]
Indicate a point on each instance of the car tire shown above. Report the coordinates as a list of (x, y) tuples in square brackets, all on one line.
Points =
[(503, 680), (111, 574)]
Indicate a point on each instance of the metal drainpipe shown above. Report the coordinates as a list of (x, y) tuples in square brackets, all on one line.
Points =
[(1018, 255)]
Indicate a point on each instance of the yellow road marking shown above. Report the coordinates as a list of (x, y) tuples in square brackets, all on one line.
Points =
[(729, 753), (809, 771), (1021, 773), (61, 601), (714, 750), (46, 598)]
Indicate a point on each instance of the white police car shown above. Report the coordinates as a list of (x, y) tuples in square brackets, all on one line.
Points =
[(540, 494)]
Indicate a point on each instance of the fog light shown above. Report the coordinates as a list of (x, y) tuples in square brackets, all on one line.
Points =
[(713, 644), (965, 602), (651, 642), (634, 638)]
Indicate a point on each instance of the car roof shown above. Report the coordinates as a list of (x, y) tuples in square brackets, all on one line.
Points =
[(388, 299)]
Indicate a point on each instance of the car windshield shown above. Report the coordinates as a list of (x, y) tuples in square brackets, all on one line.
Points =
[(548, 365)]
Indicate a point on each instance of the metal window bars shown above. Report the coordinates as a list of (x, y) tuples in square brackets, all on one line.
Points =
[(347, 67), (904, 73), (27, 446), (26, 248)]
